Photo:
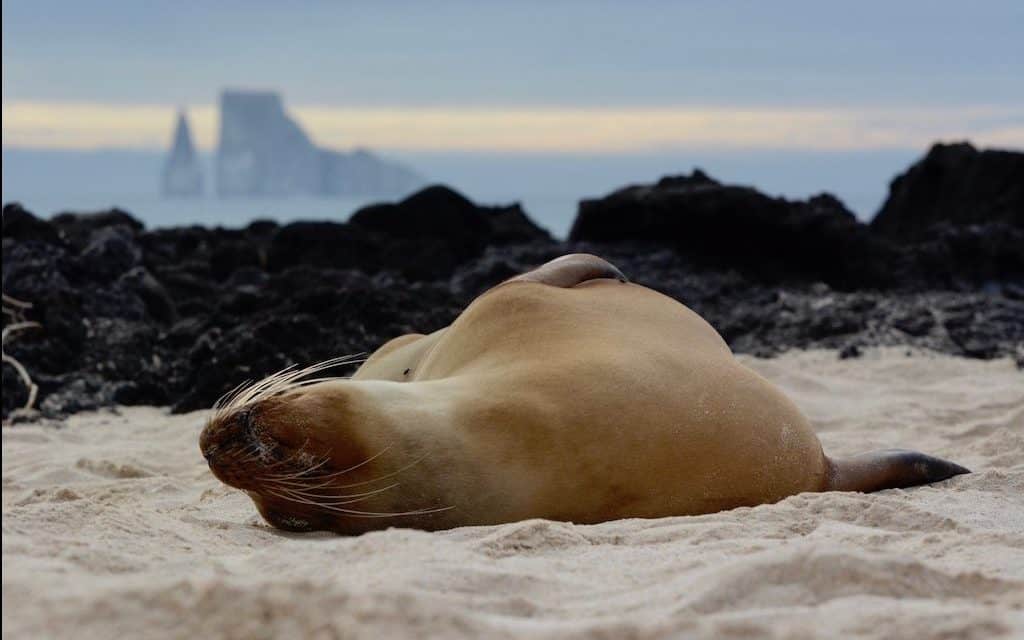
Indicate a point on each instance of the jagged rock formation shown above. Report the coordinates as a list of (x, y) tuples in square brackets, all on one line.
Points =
[(263, 152), (738, 227), (182, 176), (779, 240), (956, 185), (179, 316), (425, 236)]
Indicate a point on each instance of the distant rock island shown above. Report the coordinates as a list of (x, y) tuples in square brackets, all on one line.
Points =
[(182, 176), (262, 152)]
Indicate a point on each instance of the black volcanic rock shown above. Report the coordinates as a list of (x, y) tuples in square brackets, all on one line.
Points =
[(179, 316), (511, 225), (110, 252), (954, 184), (426, 236), (77, 228), (322, 244), (158, 302), (441, 212), (740, 228), (20, 225), (431, 232), (437, 216), (950, 255)]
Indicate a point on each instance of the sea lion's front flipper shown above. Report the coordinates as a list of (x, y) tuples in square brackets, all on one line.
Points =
[(570, 270), (888, 469)]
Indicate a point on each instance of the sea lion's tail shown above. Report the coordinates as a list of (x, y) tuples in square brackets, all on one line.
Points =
[(887, 469)]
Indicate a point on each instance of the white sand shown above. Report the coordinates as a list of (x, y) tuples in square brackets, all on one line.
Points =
[(113, 527)]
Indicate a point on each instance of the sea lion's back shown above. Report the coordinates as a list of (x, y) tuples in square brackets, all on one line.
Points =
[(520, 321)]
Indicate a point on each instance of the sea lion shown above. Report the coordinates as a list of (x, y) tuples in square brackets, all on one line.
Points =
[(565, 393)]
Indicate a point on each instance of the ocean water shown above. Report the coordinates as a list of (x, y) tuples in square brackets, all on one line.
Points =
[(549, 187), (554, 213)]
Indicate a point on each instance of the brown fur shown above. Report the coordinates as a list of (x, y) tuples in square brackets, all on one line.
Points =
[(556, 396)]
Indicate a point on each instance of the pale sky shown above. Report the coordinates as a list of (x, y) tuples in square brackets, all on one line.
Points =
[(587, 77)]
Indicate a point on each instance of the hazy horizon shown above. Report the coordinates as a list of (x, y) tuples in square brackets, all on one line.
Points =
[(548, 186), (536, 102)]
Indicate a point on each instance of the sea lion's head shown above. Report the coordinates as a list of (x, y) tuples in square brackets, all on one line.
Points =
[(312, 454)]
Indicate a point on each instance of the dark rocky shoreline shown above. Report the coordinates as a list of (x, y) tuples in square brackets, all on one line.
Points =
[(179, 316)]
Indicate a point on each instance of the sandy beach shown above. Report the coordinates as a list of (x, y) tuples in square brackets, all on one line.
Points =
[(114, 527)]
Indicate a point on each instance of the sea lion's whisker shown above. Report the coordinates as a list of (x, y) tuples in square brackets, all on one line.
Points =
[(385, 476), (236, 450), (291, 497), (247, 458), (344, 471), (388, 514), (361, 514), (356, 466), (276, 383), (244, 394), (297, 474), (319, 497), (293, 475), (252, 454), (296, 482), (252, 449), (229, 395), (249, 394), (243, 458), (300, 451), (305, 383)]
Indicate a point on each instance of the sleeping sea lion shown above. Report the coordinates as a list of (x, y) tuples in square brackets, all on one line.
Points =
[(565, 393)]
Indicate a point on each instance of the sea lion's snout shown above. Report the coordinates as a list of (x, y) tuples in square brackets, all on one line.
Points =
[(235, 447), (225, 435), (302, 458), (255, 446)]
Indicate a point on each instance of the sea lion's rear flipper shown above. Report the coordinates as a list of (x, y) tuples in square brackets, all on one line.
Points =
[(570, 270), (888, 469)]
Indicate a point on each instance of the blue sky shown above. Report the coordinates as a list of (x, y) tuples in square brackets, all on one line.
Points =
[(857, 75), (522, 53)]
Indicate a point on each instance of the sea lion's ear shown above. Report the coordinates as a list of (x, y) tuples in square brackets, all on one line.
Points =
[(570, 270)]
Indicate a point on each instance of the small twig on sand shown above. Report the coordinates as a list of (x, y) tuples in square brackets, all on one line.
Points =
[(16, 310), (32, 388)]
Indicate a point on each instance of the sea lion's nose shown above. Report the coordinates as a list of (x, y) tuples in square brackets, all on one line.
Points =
[(208, 444), (220, 435), (209, 451)]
